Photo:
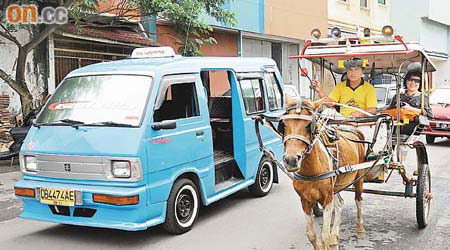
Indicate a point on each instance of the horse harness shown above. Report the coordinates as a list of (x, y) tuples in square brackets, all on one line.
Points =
[(326, 135), (297, 116)]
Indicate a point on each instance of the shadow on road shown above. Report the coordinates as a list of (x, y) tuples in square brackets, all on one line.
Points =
[(131, 240)]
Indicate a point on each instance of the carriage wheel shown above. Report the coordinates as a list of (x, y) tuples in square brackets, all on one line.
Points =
[(318, 210), (423, 199)]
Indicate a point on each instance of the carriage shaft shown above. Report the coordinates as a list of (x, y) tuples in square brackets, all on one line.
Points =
[(381, 192)]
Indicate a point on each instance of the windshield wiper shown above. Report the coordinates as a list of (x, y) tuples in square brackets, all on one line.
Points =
[(70, 122), (110, 123)]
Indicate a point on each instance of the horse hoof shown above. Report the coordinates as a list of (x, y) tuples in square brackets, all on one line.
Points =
[(334, 241), (360, 231), (360, 234)]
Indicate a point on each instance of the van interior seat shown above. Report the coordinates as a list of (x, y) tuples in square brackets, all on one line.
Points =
[(220, 108)]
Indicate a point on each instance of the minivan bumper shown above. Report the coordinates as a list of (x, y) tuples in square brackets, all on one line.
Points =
[(93, 214), (433, 130)]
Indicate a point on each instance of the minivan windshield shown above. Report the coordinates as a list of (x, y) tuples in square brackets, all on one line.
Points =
[(102, 100)]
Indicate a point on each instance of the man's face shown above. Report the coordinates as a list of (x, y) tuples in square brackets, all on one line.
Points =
[(354, 74)]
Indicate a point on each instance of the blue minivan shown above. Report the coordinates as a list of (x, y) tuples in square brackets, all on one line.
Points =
[(147, 140)]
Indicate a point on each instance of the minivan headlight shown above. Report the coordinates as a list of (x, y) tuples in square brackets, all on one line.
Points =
[(30, 163), (121, 169)]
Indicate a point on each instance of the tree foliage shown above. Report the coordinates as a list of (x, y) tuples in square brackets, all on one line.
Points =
[(183, 15)]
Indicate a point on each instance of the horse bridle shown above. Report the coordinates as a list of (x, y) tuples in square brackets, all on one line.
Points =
[(312, 118)]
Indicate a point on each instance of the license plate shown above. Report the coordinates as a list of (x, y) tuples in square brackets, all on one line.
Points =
[(61, 197)]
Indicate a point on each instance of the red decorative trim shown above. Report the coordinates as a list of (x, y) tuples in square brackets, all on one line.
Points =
[(307, 44), (400, 39), (161, 141), (352, 55)]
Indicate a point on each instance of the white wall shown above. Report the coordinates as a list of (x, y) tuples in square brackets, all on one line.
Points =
[(441, 77), (254, 47), (428, 23), (439, 11), (8, 55), (434, 36), (407, 18), (289, 67), (348, 15)]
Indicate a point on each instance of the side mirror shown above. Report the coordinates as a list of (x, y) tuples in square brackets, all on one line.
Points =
[(168, 124), (304, 72)]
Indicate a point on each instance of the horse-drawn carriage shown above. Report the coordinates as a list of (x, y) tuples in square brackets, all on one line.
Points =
[(323, 157)]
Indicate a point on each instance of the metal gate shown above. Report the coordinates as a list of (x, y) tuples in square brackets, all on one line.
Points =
[(72, 53)]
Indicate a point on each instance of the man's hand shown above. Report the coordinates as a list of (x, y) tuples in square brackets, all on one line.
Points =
[(357, 114), (315, 84), (372, 111)]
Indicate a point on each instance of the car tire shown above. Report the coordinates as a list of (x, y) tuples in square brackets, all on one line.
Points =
[(182, 207), (430, 139), (264, 178)]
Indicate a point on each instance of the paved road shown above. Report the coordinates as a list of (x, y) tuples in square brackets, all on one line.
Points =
[(243, 222)]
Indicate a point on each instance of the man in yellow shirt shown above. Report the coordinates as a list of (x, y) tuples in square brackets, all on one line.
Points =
[(353, 92)]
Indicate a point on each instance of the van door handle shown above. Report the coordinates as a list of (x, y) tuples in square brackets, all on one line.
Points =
[(199, 133)]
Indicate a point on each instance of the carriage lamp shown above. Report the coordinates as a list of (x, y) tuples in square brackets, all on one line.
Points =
[(336, 33), (121, 169), (30, 163), (366, 32), (387, 31), (315, 33)]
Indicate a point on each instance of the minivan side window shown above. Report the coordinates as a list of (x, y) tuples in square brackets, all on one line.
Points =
[(252, 94), (273, 92), (180, 102)]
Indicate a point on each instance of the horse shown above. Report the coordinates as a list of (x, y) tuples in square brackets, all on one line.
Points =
[(305, 153)]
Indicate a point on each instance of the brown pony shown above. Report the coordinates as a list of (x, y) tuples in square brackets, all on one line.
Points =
[(305, 154)]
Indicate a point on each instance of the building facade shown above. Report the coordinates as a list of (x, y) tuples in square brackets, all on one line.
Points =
[(268, 28), (427, 22), (352, 16)]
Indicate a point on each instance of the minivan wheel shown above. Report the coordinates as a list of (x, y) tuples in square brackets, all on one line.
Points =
[(429, 139), (264, 179), (182, 207)]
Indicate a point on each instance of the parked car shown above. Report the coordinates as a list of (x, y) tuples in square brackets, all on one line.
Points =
[(385, 93), (440, 124)]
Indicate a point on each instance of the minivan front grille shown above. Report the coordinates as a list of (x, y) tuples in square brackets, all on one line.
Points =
[(74, 167)]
